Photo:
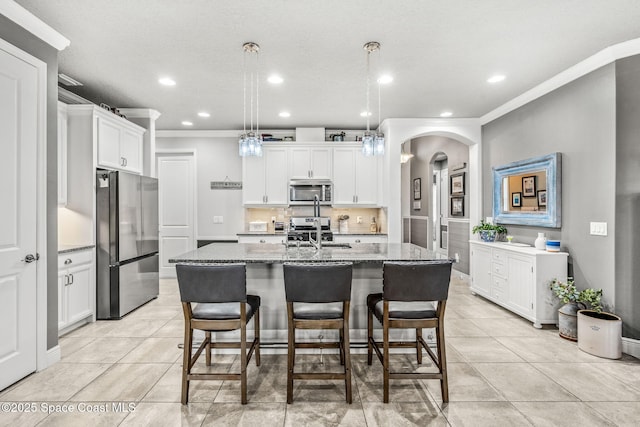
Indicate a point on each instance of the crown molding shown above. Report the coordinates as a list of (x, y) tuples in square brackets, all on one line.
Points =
[(140, 113), (21, 16), (604, 57)]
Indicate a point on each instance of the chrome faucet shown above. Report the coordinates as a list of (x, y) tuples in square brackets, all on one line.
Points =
[(317, 243)]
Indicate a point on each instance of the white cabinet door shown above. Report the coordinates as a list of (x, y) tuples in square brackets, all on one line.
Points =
[(253, 170), (481, 270), (321, 162), (366, 177), (131, 150), (109, 144), (344, 184), (275, 179), (299, 163), (62, 153), (521, 284), (78, 298)]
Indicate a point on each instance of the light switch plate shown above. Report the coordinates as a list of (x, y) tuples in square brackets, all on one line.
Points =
[(598, 228)]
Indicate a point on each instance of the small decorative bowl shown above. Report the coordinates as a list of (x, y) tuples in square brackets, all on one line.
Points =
[(553, 245)]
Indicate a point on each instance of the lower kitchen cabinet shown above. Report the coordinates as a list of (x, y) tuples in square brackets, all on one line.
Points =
[(517, 278), (76, 289)]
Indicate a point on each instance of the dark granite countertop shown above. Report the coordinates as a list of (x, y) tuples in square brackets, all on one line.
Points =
[(65, 249), (276, 253)]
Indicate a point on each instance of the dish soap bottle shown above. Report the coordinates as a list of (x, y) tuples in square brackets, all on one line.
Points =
[(373, 227)]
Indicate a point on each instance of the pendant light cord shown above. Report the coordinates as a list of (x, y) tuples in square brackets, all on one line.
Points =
[(368, 113)]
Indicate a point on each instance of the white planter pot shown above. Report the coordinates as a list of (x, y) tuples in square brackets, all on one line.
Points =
[(600, 334)]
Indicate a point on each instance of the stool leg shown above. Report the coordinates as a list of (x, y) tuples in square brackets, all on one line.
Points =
[(186, 361), (243, 354), (442, 361), (369, 336), (385, 355), (207, 348), (256, 326), (347, 354), (418, 345), (291, 352)]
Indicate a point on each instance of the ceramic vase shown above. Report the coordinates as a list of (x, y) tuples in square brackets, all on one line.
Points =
[(541, 242)]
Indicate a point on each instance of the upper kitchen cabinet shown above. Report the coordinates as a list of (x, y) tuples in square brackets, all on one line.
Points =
[(265, 178), (117, 142), (310, 162), (62, 153), (356, 178)]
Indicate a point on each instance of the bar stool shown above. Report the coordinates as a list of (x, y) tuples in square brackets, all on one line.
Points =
[(220, 291), (309, 288), (404, 285)]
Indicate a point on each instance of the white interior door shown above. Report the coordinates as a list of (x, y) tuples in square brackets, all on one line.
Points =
[(176, 196), (18, 172)]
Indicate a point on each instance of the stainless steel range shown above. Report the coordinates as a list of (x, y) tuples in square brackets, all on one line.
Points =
[(301, 227)]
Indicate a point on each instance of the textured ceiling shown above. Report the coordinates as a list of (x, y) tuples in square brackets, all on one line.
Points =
[(440, 53)]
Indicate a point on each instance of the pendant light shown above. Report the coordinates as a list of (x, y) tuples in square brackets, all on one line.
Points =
[(250, 142), (372, 143)]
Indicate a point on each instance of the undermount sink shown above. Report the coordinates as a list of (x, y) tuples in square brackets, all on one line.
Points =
[(324, 245)]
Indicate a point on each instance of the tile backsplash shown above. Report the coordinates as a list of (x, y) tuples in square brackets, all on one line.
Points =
[(283, 214)]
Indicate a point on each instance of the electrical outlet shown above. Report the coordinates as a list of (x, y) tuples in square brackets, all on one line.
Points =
[(457, 257), (598, 228), (273, 219), (359, 220), (218, 219)]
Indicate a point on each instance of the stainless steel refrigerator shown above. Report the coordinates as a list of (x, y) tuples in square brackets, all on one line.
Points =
[(127, 242)]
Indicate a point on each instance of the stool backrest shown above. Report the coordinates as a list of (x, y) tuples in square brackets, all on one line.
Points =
[(321, 282), (416, 281), (212, 282)]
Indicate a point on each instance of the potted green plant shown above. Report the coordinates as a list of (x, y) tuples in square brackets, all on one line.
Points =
[(489, 232), (574, 300)]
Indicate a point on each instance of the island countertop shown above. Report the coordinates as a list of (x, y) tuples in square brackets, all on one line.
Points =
[(278, 253)]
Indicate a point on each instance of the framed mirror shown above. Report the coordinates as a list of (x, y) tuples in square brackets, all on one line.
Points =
[(528, 192)]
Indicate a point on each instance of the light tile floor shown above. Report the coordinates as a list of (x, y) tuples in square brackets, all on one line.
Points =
[(503, 372)]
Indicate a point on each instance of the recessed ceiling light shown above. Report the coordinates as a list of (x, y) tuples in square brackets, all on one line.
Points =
[(187, 123), (365, 114), (285, 114), (496, 79), (275, 79), (385, 79), (167, 81), (204, 114), (446, 114)]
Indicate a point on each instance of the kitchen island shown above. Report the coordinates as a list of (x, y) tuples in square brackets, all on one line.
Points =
[(265, 277)]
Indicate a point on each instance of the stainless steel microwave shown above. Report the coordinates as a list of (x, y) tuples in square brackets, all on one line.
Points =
[(303, 191)]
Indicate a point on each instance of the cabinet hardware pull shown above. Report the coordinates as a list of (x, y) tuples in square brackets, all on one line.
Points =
[(66, 280), (67, 261), (71, 276)]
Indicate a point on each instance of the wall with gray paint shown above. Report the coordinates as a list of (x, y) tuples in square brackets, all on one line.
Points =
[(217, 158), (424, 149), (26, 41), (627, 226), (579, 121)]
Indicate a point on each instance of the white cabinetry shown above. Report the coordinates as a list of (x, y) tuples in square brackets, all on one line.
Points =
[(62, 153), (76, 289), (266, 239), (359, 238), (355, 178), (517, 278), (310, 162), (119, 144), (265, 178)]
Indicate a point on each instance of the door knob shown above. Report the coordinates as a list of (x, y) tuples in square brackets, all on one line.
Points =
[(30, 258)]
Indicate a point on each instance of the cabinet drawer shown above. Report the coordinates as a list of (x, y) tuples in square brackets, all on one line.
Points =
[(499, 288), (499, 269), (74, 258), (499, 255)]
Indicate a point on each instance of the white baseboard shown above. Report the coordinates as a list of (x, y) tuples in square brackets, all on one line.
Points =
[(631, 347), (53, 356)]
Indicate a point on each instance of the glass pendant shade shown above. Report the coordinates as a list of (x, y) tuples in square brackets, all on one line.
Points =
[(250, 142), (378, 144), (372, 143), (368, 144)]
